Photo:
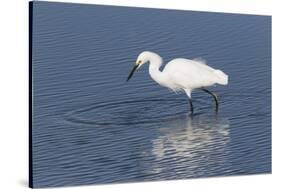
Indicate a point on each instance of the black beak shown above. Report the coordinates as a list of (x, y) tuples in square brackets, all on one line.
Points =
[(132, 72)]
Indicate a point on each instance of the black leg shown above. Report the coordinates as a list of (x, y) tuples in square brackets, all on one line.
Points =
[(214, 96), (191, 105)]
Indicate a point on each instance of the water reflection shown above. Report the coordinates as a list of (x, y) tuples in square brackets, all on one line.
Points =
[(191, 146)]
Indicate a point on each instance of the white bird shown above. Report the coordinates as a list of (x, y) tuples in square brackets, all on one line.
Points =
[(181, 74)]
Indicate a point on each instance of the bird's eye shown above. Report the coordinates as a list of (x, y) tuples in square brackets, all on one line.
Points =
[(139, 61)]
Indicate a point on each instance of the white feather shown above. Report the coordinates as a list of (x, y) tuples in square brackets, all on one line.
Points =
[(183, 74)]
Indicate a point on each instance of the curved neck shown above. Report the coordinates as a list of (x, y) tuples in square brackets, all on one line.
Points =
[(155, 73)]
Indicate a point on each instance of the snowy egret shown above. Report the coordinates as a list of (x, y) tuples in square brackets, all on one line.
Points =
[(182, 74)]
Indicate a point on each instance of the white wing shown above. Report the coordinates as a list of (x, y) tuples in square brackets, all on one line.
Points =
[(190, 74)]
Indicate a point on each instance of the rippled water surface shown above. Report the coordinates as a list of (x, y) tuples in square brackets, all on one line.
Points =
[(90, 126)]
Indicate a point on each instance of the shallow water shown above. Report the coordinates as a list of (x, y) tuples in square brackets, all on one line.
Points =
[(90, 126)]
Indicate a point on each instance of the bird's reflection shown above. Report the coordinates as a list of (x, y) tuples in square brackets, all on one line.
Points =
[(190, 146)]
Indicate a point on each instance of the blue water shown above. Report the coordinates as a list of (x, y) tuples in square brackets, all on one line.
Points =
[(90, 126)]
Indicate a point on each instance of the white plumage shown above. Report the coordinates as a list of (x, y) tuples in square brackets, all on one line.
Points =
[(182, 74)]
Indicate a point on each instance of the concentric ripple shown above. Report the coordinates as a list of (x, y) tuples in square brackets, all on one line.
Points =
[(127, 112)]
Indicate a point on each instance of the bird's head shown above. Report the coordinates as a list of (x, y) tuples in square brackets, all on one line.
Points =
[(143, 58)]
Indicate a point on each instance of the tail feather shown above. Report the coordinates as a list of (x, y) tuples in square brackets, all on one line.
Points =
[(222, 77)]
